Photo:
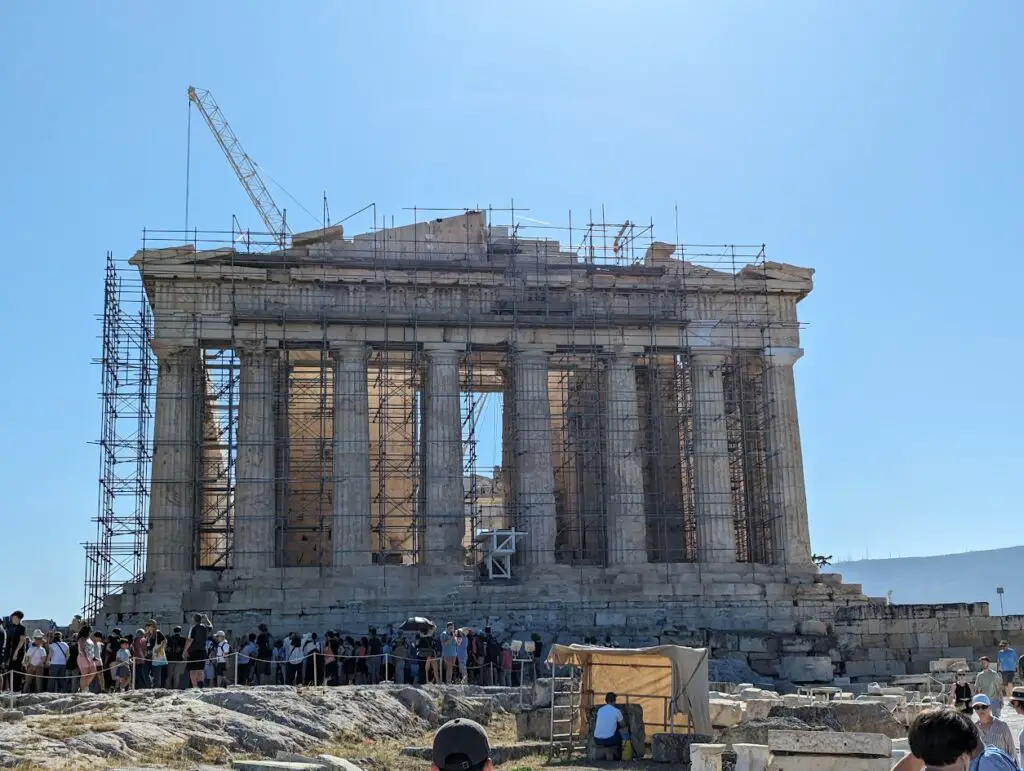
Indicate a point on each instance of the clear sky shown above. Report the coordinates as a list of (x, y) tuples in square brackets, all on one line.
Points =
[(878, 142)]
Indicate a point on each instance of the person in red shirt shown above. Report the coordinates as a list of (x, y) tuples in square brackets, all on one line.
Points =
[(140, 646)]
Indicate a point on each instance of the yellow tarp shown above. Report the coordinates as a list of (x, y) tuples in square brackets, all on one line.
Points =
[(669, 681)]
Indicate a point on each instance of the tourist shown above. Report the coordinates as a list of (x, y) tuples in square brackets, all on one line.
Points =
[(492, 657), (362, 670), (293, 670), (310, 653), (331, 648), (122, 665), (15, 650), (348, 662), (195, 648), (1017, 704), (960, 693), (176, 660), (246, 663), (103, 670), (264, 654), (946, 740), (59, 653), (994, 732), (221, 650), (140, 655), (506, 665), (34, 662), (449, 652), (608, 726), (374, 651), (87, 656), (278, 661), (156, 654), (989, 683), (1006, 659), (71, 671), (462, 655), (111, 645), (461, 745)]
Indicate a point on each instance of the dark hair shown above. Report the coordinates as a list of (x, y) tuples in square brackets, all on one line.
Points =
[(18, 613), (85, 632), (940, 736), (197, 618), (252, 637), (610, 698)]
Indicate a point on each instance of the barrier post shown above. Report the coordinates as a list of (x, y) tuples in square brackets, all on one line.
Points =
[(133, 673), (315, 680), (236, 669), (10, 674)]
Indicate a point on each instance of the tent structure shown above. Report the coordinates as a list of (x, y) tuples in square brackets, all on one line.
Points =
[(670, 682)]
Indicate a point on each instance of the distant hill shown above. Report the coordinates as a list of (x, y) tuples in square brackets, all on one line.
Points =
[(966, 577)]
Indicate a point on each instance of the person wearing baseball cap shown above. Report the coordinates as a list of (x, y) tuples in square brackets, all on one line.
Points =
[(994, 732), (461, 745)]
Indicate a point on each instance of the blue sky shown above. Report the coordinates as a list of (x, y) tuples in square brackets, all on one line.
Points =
[(876, 142)]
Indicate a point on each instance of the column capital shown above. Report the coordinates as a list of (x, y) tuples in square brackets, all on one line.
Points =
[(434, 350), (349, 350), (531, 352), (164, 350), (252, 347), (782, 357)]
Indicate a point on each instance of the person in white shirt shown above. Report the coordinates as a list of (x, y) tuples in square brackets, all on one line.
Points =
[(607, 725), (221, 649), (58, 665)]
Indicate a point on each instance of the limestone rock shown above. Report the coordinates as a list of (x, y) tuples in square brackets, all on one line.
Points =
[(815, 716), (756, 731), (534, 724), (420, 703), (758, 709), (868, 717), (11, 716), (813, 628), (675, 748), (453, 707)]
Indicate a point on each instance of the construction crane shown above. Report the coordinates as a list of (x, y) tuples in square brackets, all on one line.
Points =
[(243, 165)]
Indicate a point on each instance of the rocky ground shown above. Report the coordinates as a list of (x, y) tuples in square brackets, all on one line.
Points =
[(219, 725)]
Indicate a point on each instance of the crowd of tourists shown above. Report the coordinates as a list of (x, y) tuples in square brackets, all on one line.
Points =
[(87, 659)]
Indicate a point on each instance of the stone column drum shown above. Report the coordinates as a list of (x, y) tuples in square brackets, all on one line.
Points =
[(255, 493), (172, 505), (444, 520), (350, 529), (716, 533), (624, 482), (533, 471), (785, 459)]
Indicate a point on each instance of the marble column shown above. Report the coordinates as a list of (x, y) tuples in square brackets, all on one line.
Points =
[(785, 460), (624, 479), (533, 470), (443, 514), (350, 529), (255, 545), (716, 534), (170, 541)]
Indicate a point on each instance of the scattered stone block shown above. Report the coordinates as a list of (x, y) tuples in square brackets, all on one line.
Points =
[(947, 665), (534, 724), (674, 748), (751, 757), (274, 765), (706, 757), (758, 709), (829, 743), (827, 763), (817, 716), (726, 713)]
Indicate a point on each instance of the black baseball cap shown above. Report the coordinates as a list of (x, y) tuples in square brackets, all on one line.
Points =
[(459, 745)]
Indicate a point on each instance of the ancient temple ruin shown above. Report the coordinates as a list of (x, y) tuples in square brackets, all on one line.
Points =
[(317, 411)]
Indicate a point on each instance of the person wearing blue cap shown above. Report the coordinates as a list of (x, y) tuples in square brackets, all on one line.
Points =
[(993, 731)]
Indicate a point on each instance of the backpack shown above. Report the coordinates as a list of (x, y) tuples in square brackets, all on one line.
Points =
[(73, 655)]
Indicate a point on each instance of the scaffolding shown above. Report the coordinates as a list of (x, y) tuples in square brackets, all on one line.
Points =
[(118, 554), (493, 290)]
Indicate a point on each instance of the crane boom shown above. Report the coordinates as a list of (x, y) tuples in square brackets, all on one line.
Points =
[(240, 161)]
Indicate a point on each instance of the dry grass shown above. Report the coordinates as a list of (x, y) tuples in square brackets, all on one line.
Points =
[(77, 726)]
